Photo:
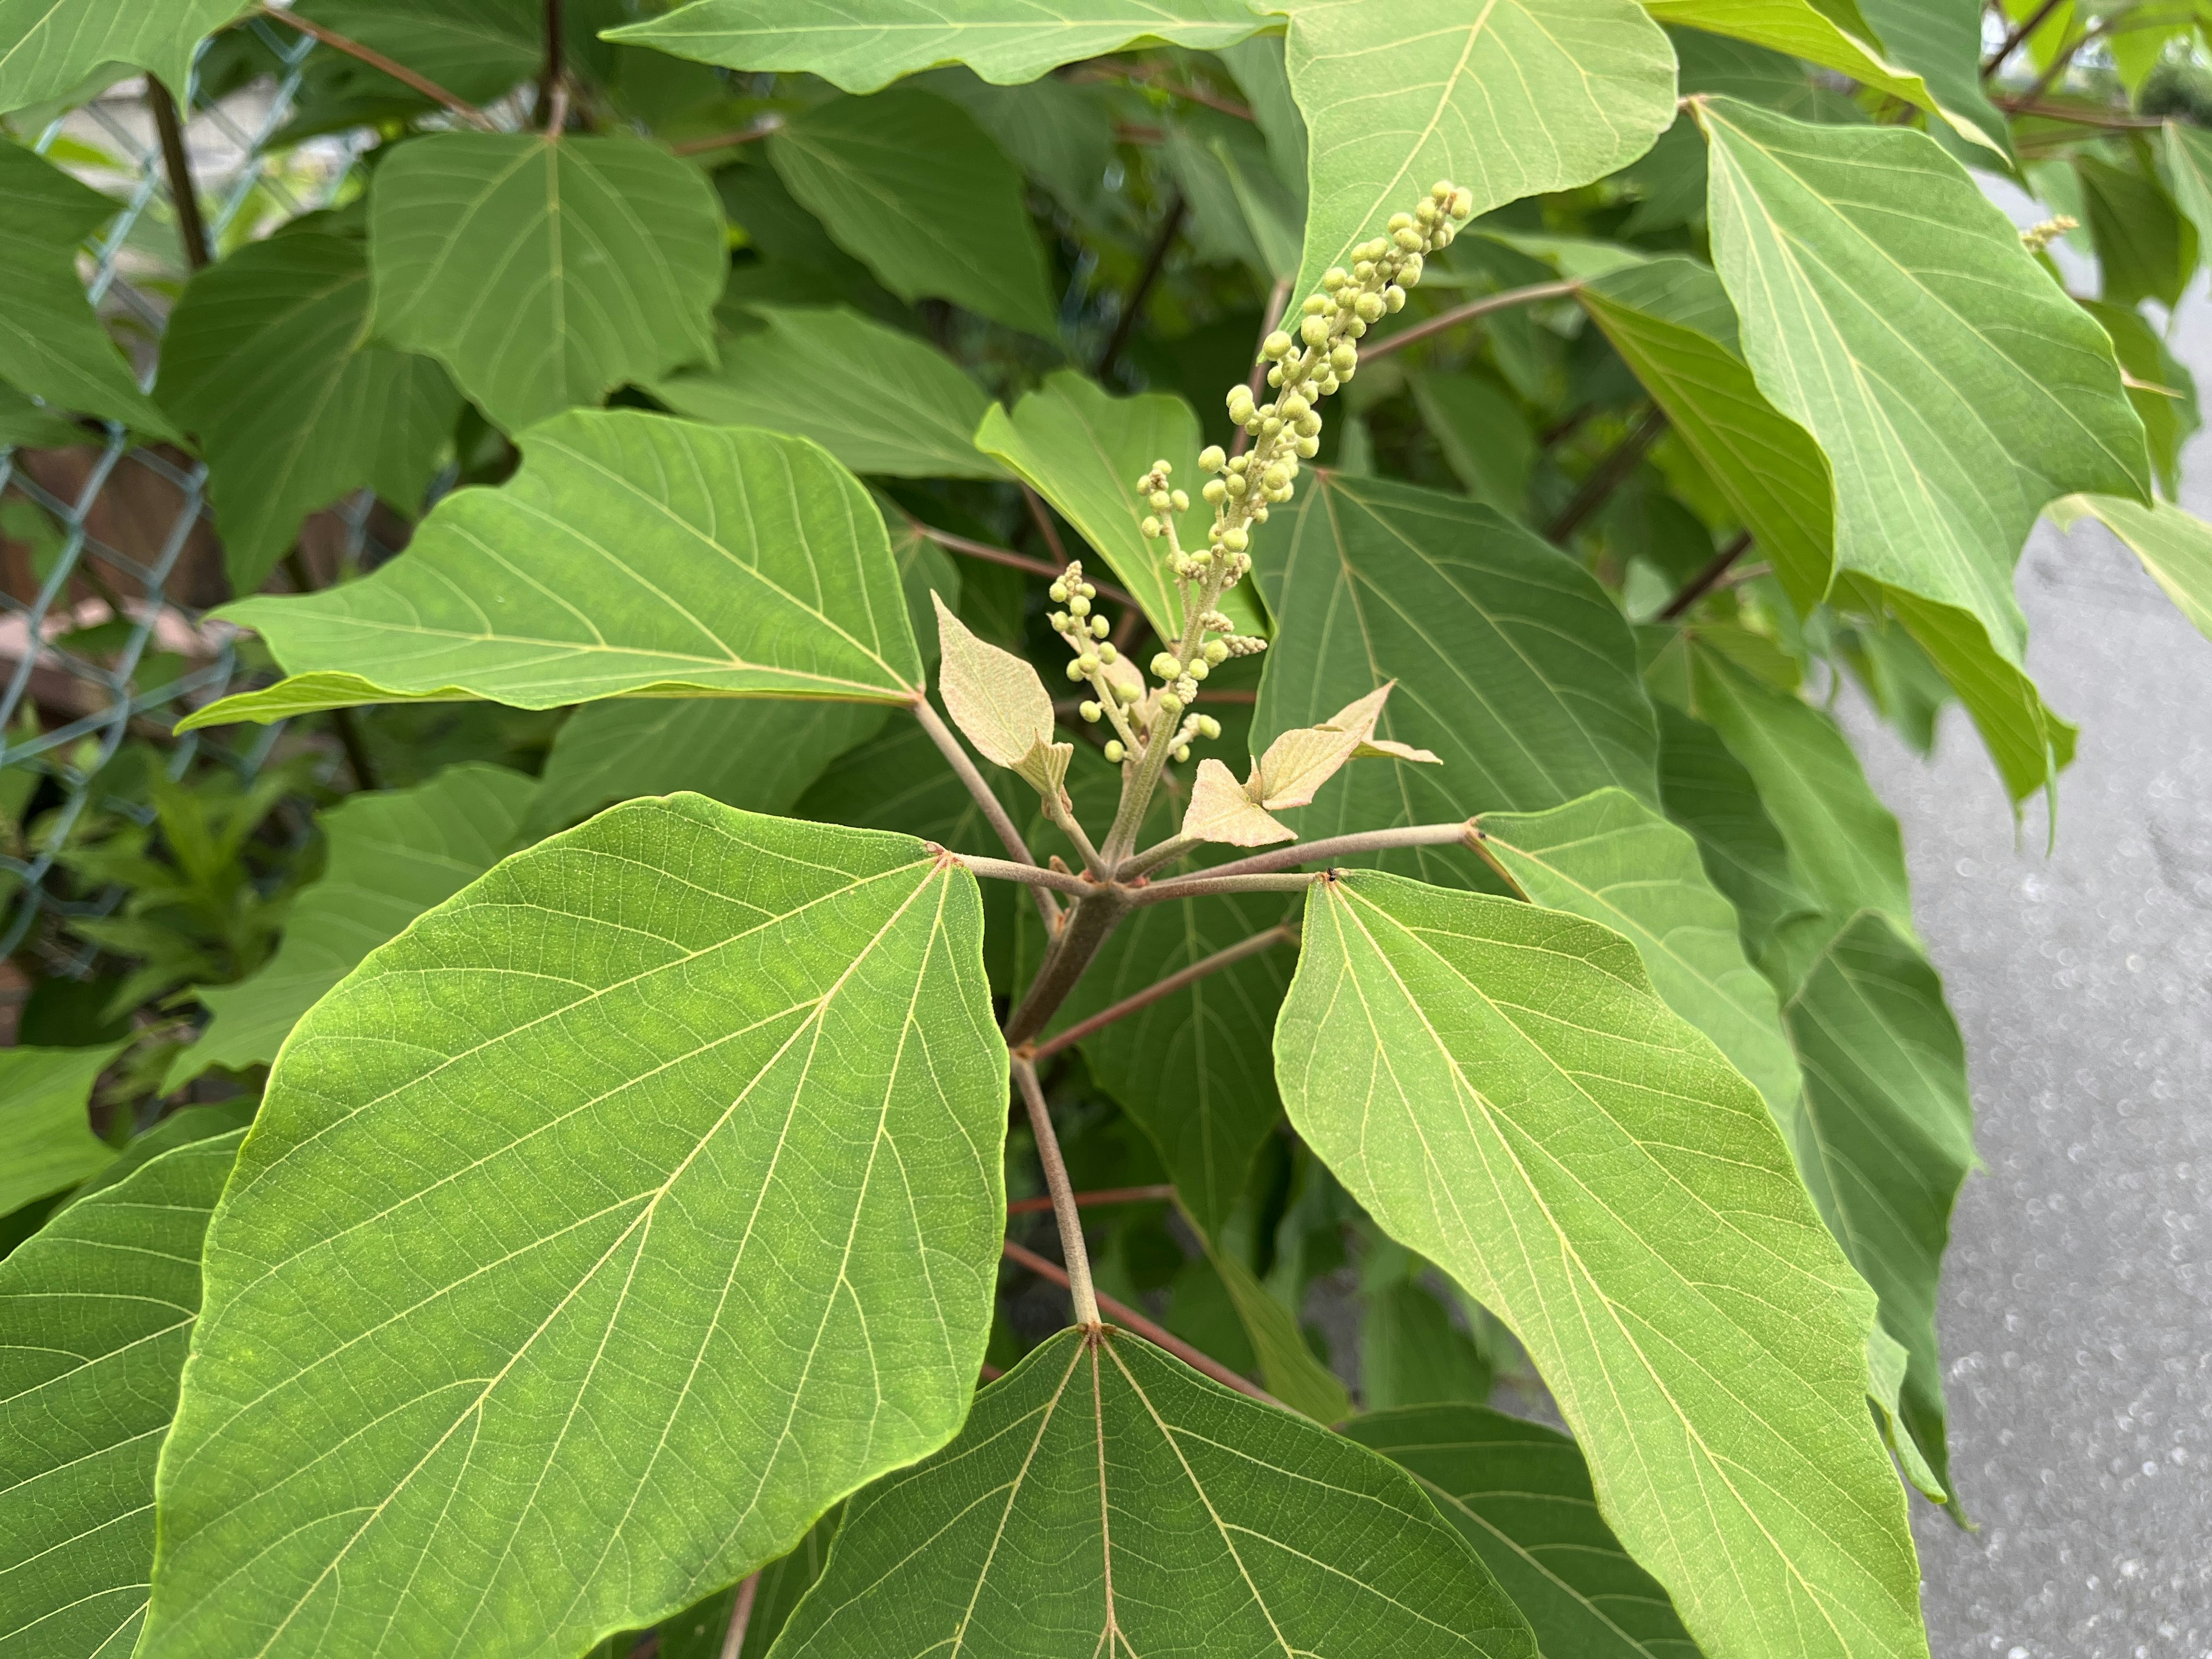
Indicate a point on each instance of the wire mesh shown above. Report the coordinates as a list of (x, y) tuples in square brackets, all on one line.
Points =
[(63, 712)]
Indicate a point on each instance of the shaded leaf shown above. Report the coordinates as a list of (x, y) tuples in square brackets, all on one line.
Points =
[(1706, 790), (2174, 546), (1499, 1086), (53, 345), (1611, 860), (180, 1128), (45, 1096), (1510, 663), (1506, 99), (879, 400), (2145, 249), (544, 273), (1486, 439), (908, 185), (713, 561), (1521, 1494), (1886, 1140), (1953, 384), (698, 1632), (265, 360), (1411, 1354), (1007, 41), (95, 1312), (1166, 1506), (2160, 388), (1941, 41), (1286, 1364), (1672, 324), (754, 1182), (51, 45), (2188, 156), (392, 856), (478, 49)]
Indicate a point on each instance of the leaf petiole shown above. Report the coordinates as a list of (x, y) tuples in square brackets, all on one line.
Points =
[(1287, 933), (1070, 1219), (994, 810)]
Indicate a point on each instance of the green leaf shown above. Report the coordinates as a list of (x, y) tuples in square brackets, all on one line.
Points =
[(44, 1100), (1832, 34), (1941, 41), (1521, 1494), (1510, 98), (96, 1310), (53, 345), (1083, 450), (1706, 790), (478, 49), (1511, 663), (911, 186), (51, 45), (1486, 439), (266, 362), (698, 1632), (2146, 250), (1672, 324), (1887, 1136), (1192, 1068), (1888, 308), (1410, 1351), (744, 1216), (2174, 546), (2159, 387), (1286, 1364), (2188, 156), (631, 555), (1842, 841), (544, 273), (28, 425), (877, 399), (1499, 1086), (392, 856), (1007, 41), (1105, 1497), (180, 1128), (1610, 859)]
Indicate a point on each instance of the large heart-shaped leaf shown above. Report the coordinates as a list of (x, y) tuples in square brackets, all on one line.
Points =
[(1888, 308), (911, 186), (52, 343), (1611, 858), (48, 47), (1105, 1499), (1887, 1136), (266, 361), (879, 400), (44, 1125), (1511, 664), (1520, 1493), (96, 1310), (686, 1157), (2175, 546), (630, 555), (543, 272), (1007, 41), (1501, 1088), (392, 856), (1508, 99)]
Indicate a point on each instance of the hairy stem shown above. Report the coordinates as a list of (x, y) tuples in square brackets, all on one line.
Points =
[(1504, 299), (741, 1615), (1105, 1195), (1014, 560), (377, 60), (1139, 1325), (1287, 933), (1089, 924), (1607, 476), (1056, 808), (1334, 847), (1063, 1195), (176, 162), (994, 810), (1205, 884), (1033, 875), (1707, 578)]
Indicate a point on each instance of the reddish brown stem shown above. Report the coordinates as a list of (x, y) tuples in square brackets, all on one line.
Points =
[(1707, 578), (176, 162), (1071, 1248), (1500, 301), (759, 130), (741, 1615), (1286, 934), (375, 59), (1106, 1195)]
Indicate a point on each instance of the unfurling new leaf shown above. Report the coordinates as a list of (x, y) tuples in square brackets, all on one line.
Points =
[(996, 698)]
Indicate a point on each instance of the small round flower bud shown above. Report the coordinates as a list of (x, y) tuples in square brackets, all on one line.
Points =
[(1151, 527), (1236, 540), (1215, 492), (1127, 692), (1170, 704), (1314, 330), (1088, 591), (1369, 307), (1400, 221), (1318, 305), (1394, 298), (1463, 204), (1107, 653), (1212, 458), (1341, 357), (1161, 466), (1215, 652), (1425, 212), (1060, 621), (1165, 665), (1160, 500), (1276, 346), (1182, 751), (1100, 627), (1292, 406), (1088, 664), (1275, 375), (1328, 387), (1271, 425), (1079, 606), (1309, 425), (1199, 669), (1237, 484), (1356, 327), (1115, 751), (1260, 513), (1075, 669), (1240, 403), (1202, 558), (1276, 475), (1334, 278), (1441, 190), (1238, 463), (1058, 591), (1408, 240), (1090, 712), (1308, 448), (1364, 269), (1179, 500), (1208, 728)]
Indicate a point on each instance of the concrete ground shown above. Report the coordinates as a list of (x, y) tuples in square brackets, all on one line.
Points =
[(2076, 1311)]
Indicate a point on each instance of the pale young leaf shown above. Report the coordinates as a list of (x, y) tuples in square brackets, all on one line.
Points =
[(1222, 810), (996, 698)]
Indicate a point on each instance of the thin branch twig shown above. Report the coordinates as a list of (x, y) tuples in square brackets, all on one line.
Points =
[(1503, 301), (1046, 528), (1138, 1325), (1607, 475), (1707, 578), (1205, 884), (759, 130), (994, 810), (1103, 1196), (2012, 42), (1033, 875), (377, 60), (1071, 1248), (1014, 560), (1284, 934), (741, 1615), (177, 164), (1333, 846), (1132, 306), (553, 84)]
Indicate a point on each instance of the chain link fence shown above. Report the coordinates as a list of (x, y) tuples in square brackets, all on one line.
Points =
[(109, 553)]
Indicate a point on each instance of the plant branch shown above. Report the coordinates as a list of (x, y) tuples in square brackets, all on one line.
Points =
[(553, 83), (1107, 1196), (1205, 884), (1138, 1325), (1088, 927), (176, 162), (1607, 475), (2011, 43), (1278, 298), (1064, 819), (1132, 306), (741, 1615), (1502, 300), (2078, 116), (1287, 933), (759, 130), (377, 60), (1014, 560), (1707, 578), (1072, 1248), (1334, 847), (994, 810), (1143, 76), (1033, 875), (1047, 529)]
